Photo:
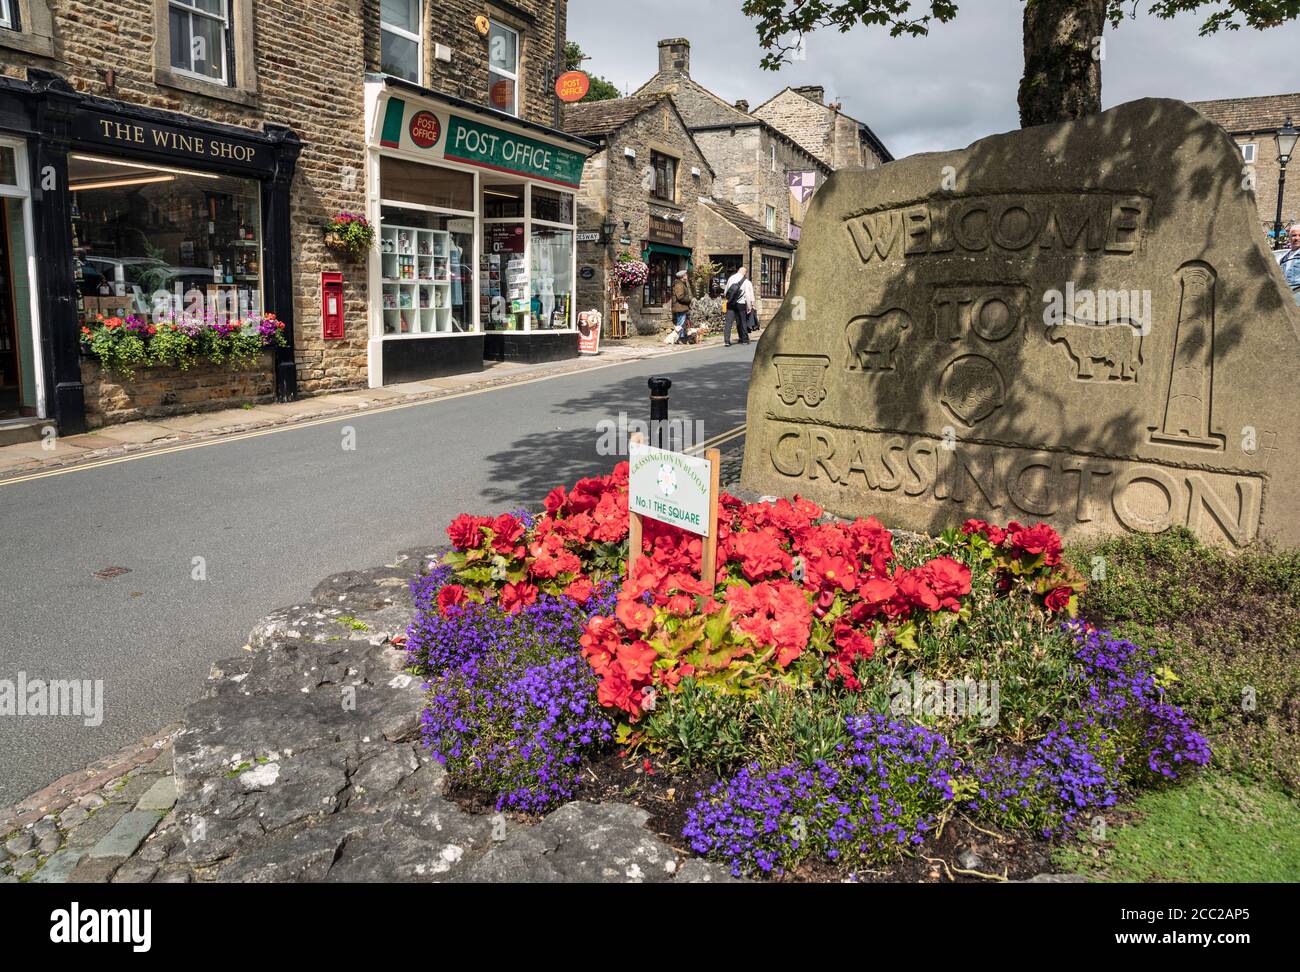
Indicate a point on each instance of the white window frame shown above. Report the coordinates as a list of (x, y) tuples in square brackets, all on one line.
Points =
[(402, 32), (7, 14), (770, 219), (227, 40), (22, 192), (500, 72), (1250, 153)]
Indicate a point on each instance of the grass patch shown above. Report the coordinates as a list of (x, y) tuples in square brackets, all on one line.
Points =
[(1227, 625), (1210, 828)]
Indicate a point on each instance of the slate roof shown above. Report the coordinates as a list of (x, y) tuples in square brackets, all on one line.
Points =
[(751, 227), (593, 119), (1251, 116)]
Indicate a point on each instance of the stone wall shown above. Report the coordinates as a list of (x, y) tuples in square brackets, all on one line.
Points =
[(828, 134), (156, 392), (616, 185)]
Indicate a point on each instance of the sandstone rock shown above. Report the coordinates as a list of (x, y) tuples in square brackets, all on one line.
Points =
[(1076, 323)]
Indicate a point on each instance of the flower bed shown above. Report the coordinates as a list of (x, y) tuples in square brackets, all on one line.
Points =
[(783, 678)]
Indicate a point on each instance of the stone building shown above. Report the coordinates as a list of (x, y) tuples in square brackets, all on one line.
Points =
[(823, 129), (199, 148), (757, 166), (1252, 123), (640, 195)]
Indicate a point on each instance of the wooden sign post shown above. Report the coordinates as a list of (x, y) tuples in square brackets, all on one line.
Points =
[(641, 506)]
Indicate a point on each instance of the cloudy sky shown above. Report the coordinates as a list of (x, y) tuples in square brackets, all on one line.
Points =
[(936, 92)]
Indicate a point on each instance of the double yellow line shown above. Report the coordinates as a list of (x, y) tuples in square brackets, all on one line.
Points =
[(717, 441)]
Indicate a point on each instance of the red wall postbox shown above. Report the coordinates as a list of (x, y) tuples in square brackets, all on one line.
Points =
[(331, 292)]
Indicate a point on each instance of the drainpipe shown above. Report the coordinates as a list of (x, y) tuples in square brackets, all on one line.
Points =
[(556, 110)]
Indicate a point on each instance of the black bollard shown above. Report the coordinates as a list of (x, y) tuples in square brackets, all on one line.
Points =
[(659, 412)]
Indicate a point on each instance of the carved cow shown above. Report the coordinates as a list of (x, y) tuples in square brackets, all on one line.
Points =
[(1118, 346), (873, 340)]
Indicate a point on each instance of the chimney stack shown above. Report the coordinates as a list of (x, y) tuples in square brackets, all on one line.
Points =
[(742, 105), (813, 92), (675, 56)]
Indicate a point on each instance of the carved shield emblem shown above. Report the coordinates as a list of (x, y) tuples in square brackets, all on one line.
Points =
[(972, 388)]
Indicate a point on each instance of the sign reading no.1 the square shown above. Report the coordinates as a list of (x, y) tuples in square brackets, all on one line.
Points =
[(670, 487)]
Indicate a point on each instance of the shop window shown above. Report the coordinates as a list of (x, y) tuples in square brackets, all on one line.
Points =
[(8, 166), (503, 202), (665, 177), (426, 185), (505, 302), (427, 269), (157, 243), (201, 42), (400, 39), (659, 282), (772, 285), (553, 207), (551, 279), (503, 68)]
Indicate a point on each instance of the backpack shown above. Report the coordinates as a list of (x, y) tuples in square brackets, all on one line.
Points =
[(734, 292)]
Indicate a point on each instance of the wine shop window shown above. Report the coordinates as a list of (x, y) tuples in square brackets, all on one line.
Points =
[(163, 244)]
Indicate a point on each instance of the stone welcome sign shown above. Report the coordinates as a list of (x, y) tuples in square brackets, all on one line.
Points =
[(1076, 323)]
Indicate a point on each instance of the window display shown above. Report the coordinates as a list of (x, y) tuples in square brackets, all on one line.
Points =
[(504, 296), (552, 279), (160, 243), (426, 264)]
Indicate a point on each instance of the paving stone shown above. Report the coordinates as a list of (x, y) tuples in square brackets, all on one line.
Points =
[(100, 823), (135, 872), (1057, 879), (59, 867), (127, 835), (44, 827), (20, 843), (25, 865), (174, 874), (91, 801), (161, 796), (95, 870), (50, 843), (132, 790), (74, 816)]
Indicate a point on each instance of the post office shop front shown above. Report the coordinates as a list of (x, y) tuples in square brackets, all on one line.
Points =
[(475, 215)]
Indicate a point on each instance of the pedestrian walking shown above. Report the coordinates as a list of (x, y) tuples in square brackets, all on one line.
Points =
[(681, 305), (740, 306), (1289, 260)]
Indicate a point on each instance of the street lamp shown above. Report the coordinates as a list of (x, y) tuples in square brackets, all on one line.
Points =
[(1285, 138)]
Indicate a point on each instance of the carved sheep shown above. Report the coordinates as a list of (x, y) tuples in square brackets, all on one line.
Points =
[(873, 340)]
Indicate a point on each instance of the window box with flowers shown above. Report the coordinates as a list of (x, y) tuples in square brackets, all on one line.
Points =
[(123, 344)]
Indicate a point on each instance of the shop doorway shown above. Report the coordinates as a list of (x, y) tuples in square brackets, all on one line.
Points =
[(20, 392), (730, 263)]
